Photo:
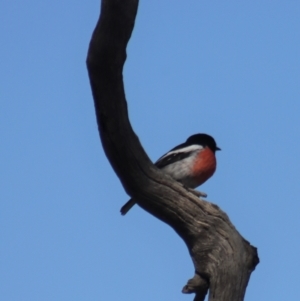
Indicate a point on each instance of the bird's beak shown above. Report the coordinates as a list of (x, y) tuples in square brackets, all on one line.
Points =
[(217, 148)]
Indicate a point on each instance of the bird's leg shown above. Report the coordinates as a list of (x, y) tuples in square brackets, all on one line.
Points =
[(194, 192), (197, 193)]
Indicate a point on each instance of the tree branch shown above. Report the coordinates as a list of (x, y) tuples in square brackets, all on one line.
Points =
[(223, 260)]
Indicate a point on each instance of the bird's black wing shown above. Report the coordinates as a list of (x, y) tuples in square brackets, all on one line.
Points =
[(174, 156)]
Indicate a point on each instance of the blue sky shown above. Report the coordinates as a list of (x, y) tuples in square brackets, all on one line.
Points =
[(227, 68)]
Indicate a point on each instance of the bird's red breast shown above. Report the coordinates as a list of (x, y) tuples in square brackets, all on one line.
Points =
[(204, 166)]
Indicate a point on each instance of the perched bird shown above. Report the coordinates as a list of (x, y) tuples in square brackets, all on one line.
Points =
[(190, 163)]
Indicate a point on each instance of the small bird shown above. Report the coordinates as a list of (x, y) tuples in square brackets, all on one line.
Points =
[(191, 163)]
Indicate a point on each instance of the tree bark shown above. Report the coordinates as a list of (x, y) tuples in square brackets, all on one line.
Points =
[(223, 259)]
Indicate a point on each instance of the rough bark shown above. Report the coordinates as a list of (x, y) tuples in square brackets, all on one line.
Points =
[(223, 259)]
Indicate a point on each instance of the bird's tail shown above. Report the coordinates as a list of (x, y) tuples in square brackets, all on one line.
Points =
[(127, 206)]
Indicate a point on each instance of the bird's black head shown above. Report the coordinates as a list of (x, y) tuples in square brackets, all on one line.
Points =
[(205, 140)]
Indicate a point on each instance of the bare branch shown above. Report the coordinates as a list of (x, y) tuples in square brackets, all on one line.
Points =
[(223, 260)]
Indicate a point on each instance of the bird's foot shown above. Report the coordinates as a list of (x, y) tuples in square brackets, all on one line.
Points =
[(196, 192)]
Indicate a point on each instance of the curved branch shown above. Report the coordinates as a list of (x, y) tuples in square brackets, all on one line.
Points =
[(223, 260)]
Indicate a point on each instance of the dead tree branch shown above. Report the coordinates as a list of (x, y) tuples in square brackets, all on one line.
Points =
[(223, 260)]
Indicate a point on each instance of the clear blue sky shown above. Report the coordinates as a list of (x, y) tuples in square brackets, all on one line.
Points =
[(227, 68)]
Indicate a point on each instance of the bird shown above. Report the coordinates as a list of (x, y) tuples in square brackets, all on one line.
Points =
[(191, 163)]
